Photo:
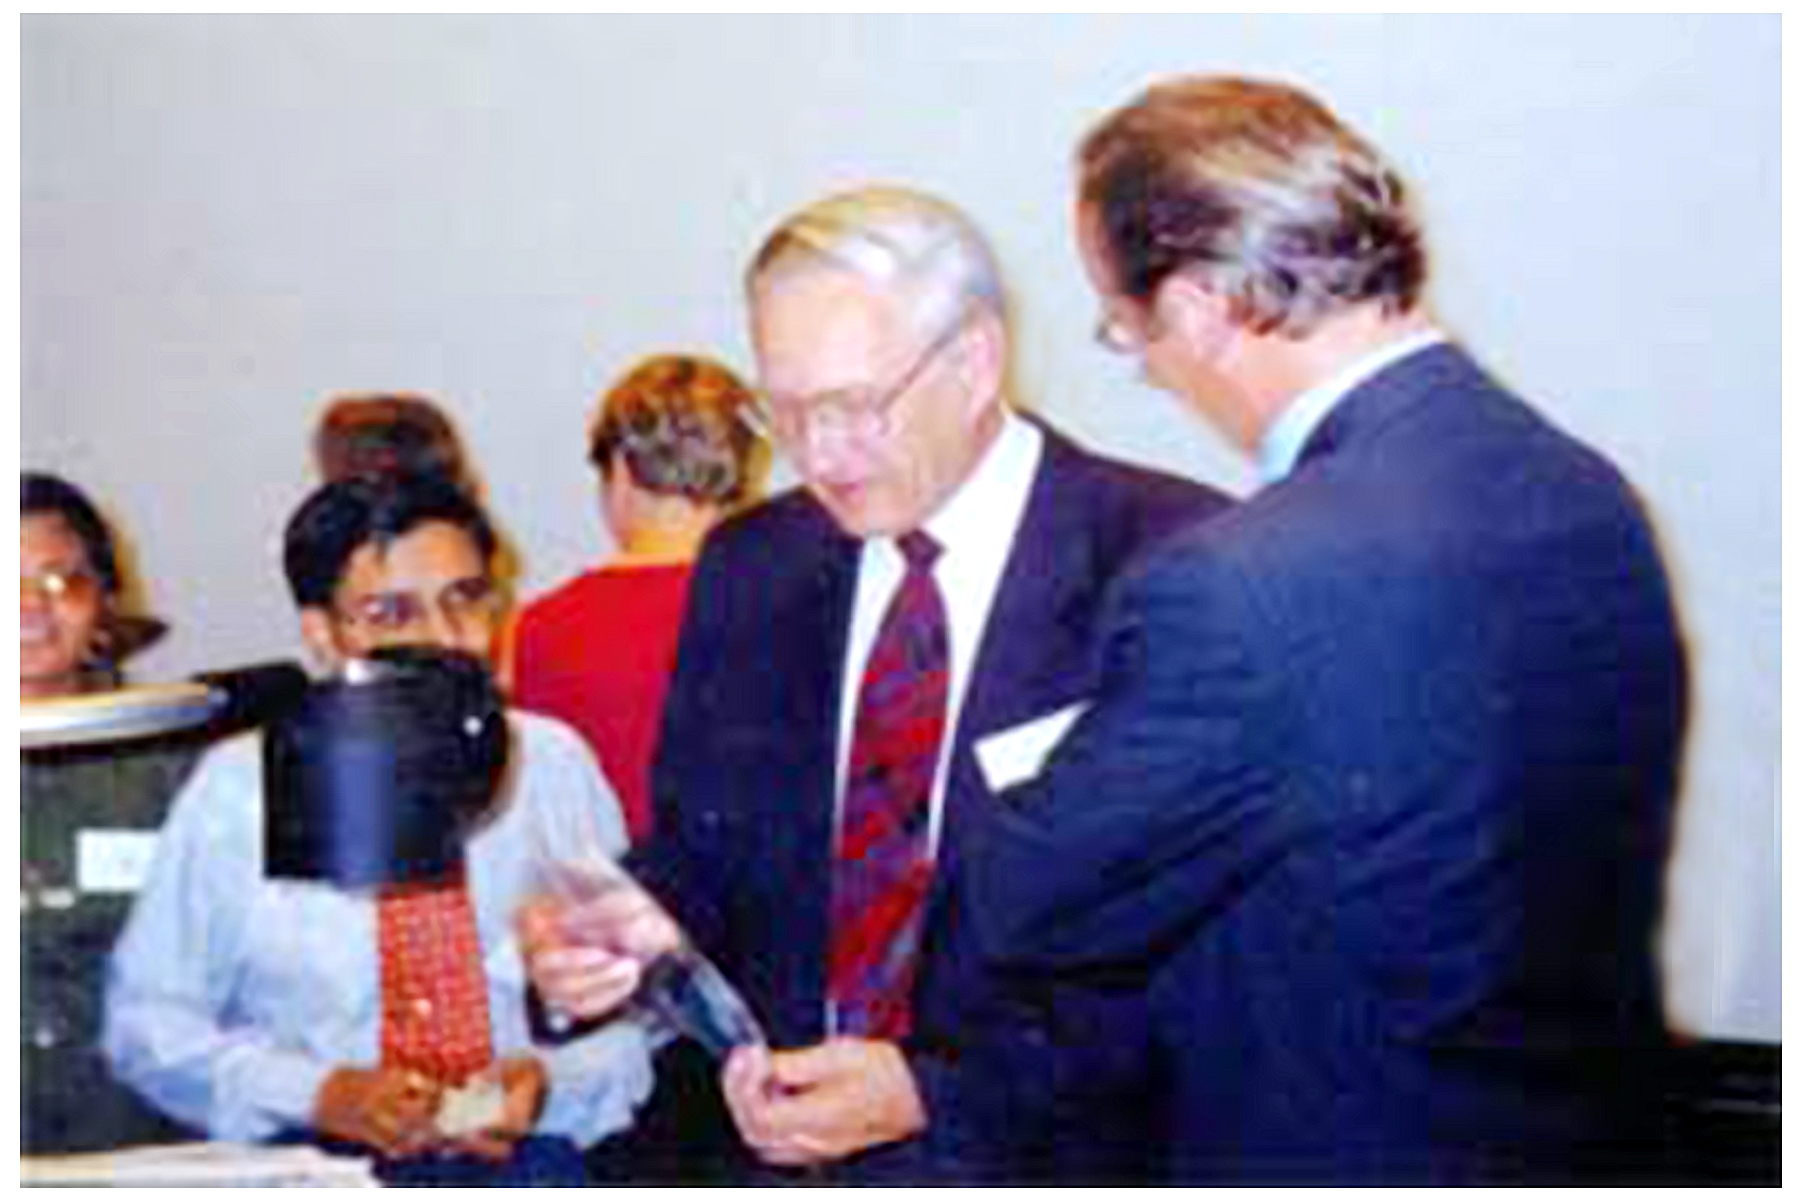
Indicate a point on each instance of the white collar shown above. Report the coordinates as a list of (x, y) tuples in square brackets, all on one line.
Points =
[(973, 518)]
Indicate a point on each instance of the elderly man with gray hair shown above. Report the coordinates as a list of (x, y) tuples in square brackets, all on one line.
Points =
[(865, 660)]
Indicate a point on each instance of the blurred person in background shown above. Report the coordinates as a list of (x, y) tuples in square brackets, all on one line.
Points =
[(676, 452), (378, 432)]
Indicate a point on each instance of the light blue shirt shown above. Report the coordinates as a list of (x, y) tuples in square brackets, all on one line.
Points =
[(231, 996), (1287, 435)]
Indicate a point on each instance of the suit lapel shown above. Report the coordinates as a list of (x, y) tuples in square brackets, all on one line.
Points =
[(795, 826), (1035, 635), (1035, 650)]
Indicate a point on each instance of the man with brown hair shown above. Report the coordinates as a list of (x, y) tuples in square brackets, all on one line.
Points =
[(1377, 795)]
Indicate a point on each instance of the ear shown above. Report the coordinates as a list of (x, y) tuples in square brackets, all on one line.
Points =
[(1200, 318), (981, 358), (319, 631)]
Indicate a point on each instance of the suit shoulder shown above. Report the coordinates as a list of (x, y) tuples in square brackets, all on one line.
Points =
[(1107, 473), (1141, 503), (787, 517)]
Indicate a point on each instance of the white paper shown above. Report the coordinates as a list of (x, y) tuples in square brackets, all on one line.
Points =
[(1014, 755), (113, 860)]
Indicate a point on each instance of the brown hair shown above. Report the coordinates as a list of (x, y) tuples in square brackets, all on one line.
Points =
[(381, 433), (678, 423), (1260, 193)]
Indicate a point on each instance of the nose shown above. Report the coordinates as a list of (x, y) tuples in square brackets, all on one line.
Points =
[(442, 629)]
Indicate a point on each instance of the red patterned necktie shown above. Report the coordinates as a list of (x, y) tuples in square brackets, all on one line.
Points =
[(883, 865), (434, 1009)]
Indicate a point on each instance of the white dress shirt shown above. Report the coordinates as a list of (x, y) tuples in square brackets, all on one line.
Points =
[(232, 996), (975, 527)]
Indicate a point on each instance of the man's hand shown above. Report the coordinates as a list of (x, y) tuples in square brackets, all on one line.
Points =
[(388, 1109), (523, 1081), (799, 1107), (587, 958)]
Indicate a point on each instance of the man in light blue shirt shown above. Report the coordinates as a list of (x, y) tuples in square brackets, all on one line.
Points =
[(253, 1007)]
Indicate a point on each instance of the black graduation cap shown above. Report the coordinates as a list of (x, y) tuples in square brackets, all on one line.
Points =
[(379, 775)]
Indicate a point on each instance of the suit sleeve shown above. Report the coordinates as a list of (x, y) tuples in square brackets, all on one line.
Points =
[(677, 865), (1165, 801), (599, 1079)]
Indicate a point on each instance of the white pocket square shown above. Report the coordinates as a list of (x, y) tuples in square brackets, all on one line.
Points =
[(1017, 754)]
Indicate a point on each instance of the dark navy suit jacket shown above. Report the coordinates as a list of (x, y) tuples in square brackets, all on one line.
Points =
[(1378, 792), (744, 786)]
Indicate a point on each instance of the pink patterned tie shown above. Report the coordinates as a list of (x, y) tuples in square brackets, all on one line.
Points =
[(883, 865), (434, 1008)]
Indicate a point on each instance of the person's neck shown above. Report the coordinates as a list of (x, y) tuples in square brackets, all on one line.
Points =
[(672, 538), (1279, 370), (76, 683)]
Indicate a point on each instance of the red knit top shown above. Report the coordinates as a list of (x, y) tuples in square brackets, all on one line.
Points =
[(597, 653)]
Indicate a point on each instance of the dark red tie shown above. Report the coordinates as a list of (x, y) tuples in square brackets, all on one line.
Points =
[(883, 866), (434, 1009)]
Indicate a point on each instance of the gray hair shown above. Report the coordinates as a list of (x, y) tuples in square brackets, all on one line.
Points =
[(914, 245)]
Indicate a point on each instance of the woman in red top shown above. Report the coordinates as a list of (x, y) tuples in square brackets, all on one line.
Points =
[(675, 453)]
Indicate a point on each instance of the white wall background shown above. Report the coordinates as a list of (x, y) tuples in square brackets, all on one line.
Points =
[(227, 219)]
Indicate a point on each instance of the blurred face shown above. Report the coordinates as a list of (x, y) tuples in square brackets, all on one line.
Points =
[(429, 587), (61, 604), (883, 419)]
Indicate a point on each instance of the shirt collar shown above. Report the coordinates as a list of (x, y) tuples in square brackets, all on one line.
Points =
[(1287, 436), (970, 518)]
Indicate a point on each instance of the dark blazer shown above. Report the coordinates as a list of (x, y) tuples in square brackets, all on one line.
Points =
[(744, 786), (1378, 792)]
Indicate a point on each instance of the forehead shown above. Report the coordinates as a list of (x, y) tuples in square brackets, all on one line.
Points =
[(47, 537), (821, 329), (425, 558)]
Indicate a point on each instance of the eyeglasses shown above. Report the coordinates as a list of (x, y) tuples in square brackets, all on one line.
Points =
[(849, 412), (460, 602), (78, 583)]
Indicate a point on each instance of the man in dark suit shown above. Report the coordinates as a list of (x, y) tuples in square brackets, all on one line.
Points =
[(805, 833), (1376, 792)]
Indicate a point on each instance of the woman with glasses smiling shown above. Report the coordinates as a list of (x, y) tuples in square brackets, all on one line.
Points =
[(68, 583)]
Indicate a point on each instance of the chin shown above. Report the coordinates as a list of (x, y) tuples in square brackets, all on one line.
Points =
[(46, 684), (851, 513)]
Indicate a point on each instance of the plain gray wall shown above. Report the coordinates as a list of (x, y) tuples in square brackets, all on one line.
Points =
[(227, 219)]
